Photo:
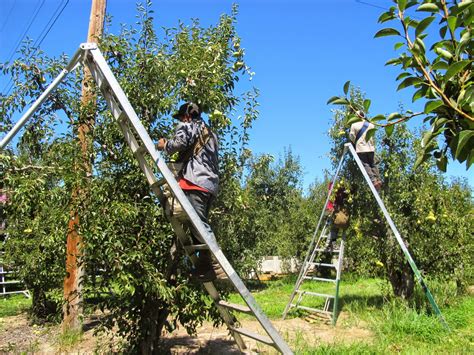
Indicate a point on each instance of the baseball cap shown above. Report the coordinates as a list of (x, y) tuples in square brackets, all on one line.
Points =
[(189, 108)]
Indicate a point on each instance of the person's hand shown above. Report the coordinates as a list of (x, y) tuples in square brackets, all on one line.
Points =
[(161, 144)]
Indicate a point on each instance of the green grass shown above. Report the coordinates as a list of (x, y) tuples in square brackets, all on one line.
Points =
[(13, 305), (397, 327)]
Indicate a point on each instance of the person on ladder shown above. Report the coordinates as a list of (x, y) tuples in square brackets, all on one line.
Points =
[(338, 212), (197, 149), (365, 149)]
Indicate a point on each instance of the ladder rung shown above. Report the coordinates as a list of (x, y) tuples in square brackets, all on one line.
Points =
[(122, 117), (332, 251), (324, 264), (141, 149), (104, 85), (196, 247), (315, 294), (235, 307), (9, 282), (157, 183), (319, 279), (311, 309), (261, 338)]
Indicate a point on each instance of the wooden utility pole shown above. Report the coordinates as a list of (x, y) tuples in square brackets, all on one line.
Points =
[(72, 310)]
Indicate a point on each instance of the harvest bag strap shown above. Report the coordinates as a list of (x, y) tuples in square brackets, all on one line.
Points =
[(362, 131)]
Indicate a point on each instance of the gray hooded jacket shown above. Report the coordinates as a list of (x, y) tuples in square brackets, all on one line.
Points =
[(201, 169)]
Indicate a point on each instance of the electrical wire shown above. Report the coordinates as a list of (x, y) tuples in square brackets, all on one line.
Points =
[(9, 13), (35, 15), (44, 33)]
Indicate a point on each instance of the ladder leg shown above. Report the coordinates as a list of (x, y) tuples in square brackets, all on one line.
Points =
[(312, 243), (399, 239), (22, 121)]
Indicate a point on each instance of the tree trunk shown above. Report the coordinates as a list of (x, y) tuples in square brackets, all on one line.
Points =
[(402, 280)]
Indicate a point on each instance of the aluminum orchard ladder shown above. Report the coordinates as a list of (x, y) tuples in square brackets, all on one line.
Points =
[(143, 147), (348, 147), (318, 262)]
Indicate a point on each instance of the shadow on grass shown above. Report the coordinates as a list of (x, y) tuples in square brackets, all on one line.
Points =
[(352, 300)]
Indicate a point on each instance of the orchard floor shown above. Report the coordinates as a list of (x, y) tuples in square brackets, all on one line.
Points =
[(370, 323), (17, 336)]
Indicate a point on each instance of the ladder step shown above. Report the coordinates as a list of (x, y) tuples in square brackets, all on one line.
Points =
[(9, 282), (315, 294), (261, 338), (311, 309), (323, 264), (332, 251), (158, 183), (140, 150), (235, 307), (122, 117), (319, 279), (190, 248), (104, 85)]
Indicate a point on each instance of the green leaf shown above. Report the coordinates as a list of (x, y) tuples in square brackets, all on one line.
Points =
[(463, 5), (419, 93), (442, 163), (421, 159), (455, 68), (428, 7), (353, 119), (398, 45), (420, 45), (427, 137), (346, 87), (387, 32), (386, 16), (389, 130), (432, 105), (332, 99), (402, 4), (402, 75), (378, 118), (452, 23), (340, 101), (370, 133), (412, 80), (470, 160), (393, 61), (464, 138), (423, 24), (441, 65), (367, 103), (442, 31), (394, 116)]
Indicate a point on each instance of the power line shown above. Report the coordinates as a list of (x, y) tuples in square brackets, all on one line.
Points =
[(373, 5), (9, 13), (38, 8), (44, 33), (52, 23)]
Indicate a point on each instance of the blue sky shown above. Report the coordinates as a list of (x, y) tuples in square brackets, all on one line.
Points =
[(301, 51)]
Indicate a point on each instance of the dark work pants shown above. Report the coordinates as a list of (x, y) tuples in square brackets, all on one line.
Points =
[(201, 201), (370, 165)]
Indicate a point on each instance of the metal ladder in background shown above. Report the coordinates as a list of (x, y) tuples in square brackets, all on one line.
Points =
[(349, 148), (316, 263), (144, 150)]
